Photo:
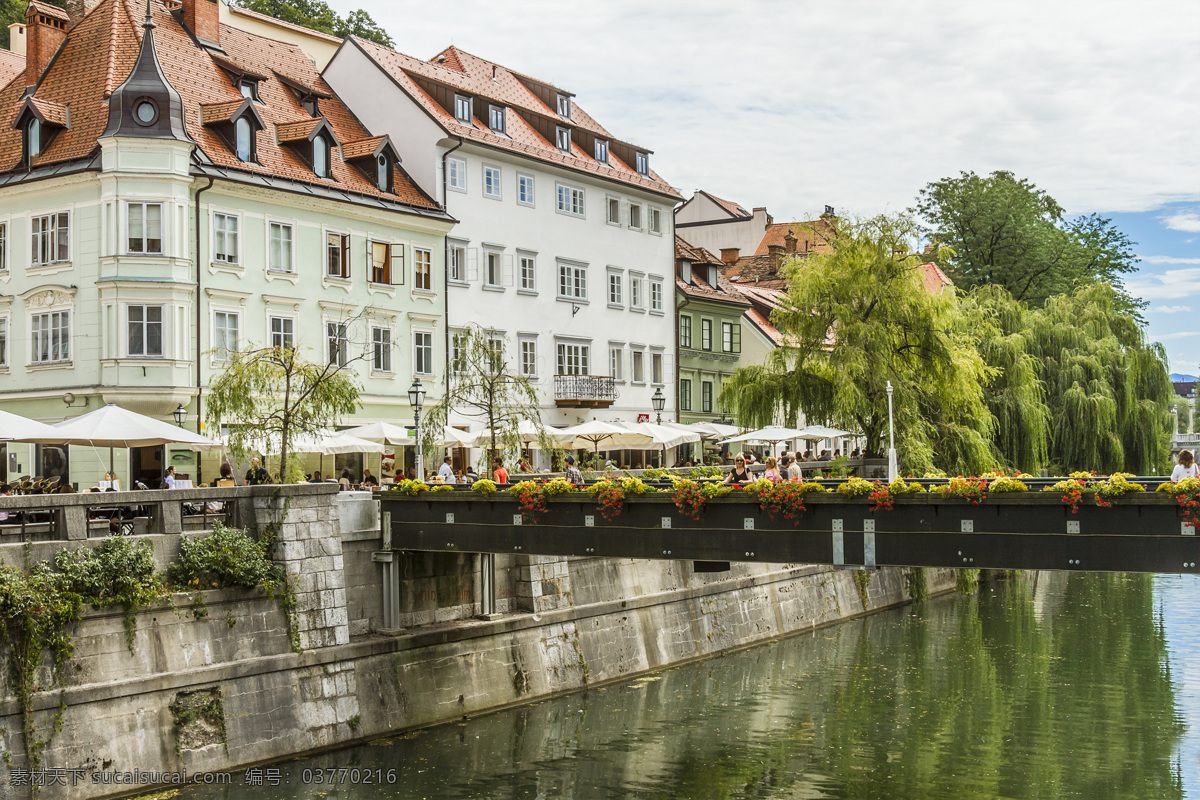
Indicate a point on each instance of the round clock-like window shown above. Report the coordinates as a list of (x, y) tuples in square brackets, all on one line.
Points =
[(145, 111)]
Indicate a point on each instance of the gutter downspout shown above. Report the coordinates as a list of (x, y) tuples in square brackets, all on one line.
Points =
[(446, 262), (199, 318)]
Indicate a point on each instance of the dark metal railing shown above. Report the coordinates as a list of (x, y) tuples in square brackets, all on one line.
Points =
[(585, 387)]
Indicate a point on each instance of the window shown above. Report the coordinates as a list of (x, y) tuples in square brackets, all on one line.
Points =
[(616, 360), (706, 334), (337, 255), (656, 296), (225, 238), (635, 216), (337, 339), (496, 118), (3, 246), (656, 367), (528, 269), (422, 268), (614, 211), (524, 189), (685, 331), (33, 140), (248, 89), (458, 352), (639, 366), (283, 332), (562, 138), (3, 341), (145, 227), (706, 405), (643, 164), (655, 219), (495, 346), (456, 174), (495, 268), (145, 330), (381, 349), (615, 285), (685, 394), (602, 150), (636, 299), (51, 238), (243, 136), (50, 334), (381, 262), (731, 337), (564, 106), (280, 255), (572, 281), (491, 182), (572, 359), (570, 200), (458, 262), (529, 358), (422, 352), (321, 156), (310, 105), (462, 108), (226, 328), (383, 173)]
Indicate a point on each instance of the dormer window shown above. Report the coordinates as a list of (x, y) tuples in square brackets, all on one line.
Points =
[(602, 150), (564, 106), (462, 109), (562, 138), (375, 158), (320, 156), (310, 105), (248, 88), (643, 163), (383, 174), (243, 139), (38, 121), (238, 123), (33, 139), (496, 118)]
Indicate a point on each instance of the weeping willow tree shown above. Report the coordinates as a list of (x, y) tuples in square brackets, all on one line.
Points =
[(857, 317)]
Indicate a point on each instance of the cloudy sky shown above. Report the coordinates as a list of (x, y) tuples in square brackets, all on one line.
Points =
[(795, 105)]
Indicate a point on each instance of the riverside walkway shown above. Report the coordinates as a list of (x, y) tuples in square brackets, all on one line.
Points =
[(1139, 532)]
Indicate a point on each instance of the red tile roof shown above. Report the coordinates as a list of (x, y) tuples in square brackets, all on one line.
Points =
[(700, 288), (224, 111), (49, 10), (11, 65), (99, 54), (764, 324), (815, 233), (933, 278), (732, 208), (492, 82)]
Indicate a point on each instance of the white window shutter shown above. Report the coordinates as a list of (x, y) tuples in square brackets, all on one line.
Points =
[(472, 264), (506, 269), (398, 268)]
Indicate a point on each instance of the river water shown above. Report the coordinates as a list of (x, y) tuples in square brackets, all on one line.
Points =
[(1059, 686)]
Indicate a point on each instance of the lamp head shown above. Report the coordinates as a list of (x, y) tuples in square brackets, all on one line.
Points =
[(658, 400), (416, 394), (180, 413)]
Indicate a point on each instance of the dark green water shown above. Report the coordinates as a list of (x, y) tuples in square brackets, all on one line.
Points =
[(1064, 688)]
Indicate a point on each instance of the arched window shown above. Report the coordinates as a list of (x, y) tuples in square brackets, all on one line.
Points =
[(383, 173), (33, 143), (321, 156), (245, 139)]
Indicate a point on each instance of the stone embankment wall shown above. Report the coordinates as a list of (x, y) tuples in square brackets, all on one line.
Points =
[(226, 691)]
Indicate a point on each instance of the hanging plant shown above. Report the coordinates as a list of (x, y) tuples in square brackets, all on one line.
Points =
[(786, 499), (1187, 493), (973, 489), (532, 497), (610, 497), (1072, 492)]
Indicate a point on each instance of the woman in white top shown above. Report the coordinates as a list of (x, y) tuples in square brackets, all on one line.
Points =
[(1185, 468)]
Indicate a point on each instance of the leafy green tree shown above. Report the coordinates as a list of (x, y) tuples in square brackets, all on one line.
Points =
[(857, 317), (275, 393), (484, 387), (318, 15), (1005, 231)]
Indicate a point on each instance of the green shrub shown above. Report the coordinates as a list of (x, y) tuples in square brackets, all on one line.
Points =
[(228, 557)]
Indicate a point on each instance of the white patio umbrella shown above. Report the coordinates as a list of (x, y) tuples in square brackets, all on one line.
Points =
[(332, 443), (525, 429), (381, 433), (113, 426), (715, 431), (453, 437), (15, 428), (815, 433), (663, 436), (594, 432), (772, 434)]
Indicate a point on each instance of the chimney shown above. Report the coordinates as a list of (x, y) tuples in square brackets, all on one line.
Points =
[(201, 18), (789, 242), (45, 30), (16, 38), (78, 9), (828, 212), (775, 256), (729, 255)]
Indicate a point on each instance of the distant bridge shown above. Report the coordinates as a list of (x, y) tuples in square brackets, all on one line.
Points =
[(1140, 532)]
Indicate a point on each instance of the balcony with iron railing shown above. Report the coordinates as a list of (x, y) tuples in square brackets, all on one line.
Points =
[(584, 391)]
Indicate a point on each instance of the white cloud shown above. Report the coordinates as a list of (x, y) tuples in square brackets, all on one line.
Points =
[(1177, 335), (1188, 222), (1170, 309), (1173, 284), (1168, 260)]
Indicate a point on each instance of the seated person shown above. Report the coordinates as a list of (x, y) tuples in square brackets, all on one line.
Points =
[(740, 475), (316, 478), (369, 479)]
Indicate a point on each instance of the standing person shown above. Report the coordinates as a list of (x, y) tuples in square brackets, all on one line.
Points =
[(574, 476), (772, 472), (740, 474), (256, 475), (1185, 467), (793, 471), (446, 472), (499, 473), (169, 478)]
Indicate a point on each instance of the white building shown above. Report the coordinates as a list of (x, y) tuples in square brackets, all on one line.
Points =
[(564, 244)]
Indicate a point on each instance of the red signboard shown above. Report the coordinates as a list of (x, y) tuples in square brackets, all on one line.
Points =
[(643, 417)]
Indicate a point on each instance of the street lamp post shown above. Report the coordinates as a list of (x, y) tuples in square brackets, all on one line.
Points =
[(893, 465), (659, 401), (416, 398)]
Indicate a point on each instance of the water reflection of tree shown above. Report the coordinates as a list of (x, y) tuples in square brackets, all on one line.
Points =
[(1001, 704)]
